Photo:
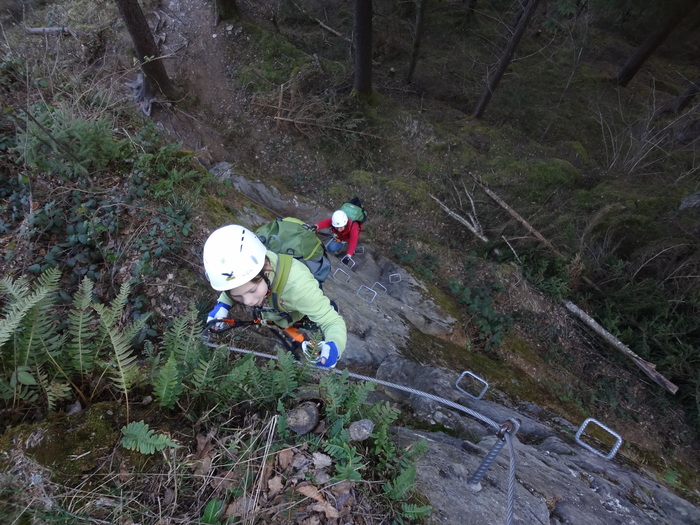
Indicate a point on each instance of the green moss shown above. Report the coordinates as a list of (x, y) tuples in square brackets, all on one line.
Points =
[(68, 445), (276, 61), (410, 192), (215, 210), (361, 178)]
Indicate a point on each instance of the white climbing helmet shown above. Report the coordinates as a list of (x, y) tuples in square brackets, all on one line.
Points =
[(232, 256), (339, 219)]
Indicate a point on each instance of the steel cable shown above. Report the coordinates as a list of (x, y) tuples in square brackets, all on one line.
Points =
[(480, 417)]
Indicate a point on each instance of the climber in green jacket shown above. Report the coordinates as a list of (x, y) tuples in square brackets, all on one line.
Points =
[(239, 266)]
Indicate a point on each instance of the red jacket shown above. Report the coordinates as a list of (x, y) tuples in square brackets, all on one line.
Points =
[(350, 234)]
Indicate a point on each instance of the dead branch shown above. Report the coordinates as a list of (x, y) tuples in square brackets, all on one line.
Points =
[(529, 227), (518, 218), (49, 30), (473, 226), (324, 26), (648, 368), (305, 122)]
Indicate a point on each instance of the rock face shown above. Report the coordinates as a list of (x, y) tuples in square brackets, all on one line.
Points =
[(556, 480), (375, 297)]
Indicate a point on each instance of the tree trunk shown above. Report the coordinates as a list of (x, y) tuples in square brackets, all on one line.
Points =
[(225, 10), (643, 52), (363, 49), (524, 19), (157, 80), (420, 18)]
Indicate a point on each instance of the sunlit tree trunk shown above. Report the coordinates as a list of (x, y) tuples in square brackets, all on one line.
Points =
[(157, 80), (643, 52), (363, 49), (420, 17), (495, 78)]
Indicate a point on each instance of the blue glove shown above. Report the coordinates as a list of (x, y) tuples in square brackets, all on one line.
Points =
[(219, 311), (329, 354)]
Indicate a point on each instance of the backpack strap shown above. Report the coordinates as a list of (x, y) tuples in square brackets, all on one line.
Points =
[(284, 265)]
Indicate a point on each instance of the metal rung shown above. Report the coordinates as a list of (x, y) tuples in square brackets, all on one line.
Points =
[(615, 448), (473, 375), (343, 272), (381, 286), (351, 264), (363, 294), (394, 278)]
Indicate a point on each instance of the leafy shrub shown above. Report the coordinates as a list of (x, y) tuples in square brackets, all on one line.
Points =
[(424, 264), (491, 324)]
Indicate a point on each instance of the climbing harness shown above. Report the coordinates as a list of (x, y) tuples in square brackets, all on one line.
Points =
[(291, 338)]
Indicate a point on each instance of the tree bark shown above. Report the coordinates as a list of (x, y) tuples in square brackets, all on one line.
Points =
[(420, 18), (157, 80), (363, 49), (643, 52), (505, 59)]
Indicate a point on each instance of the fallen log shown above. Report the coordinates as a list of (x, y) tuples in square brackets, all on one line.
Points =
[(646, 367), (48, 30)]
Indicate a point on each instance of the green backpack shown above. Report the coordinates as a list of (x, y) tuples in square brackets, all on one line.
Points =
[(355, 211), (292, 238)]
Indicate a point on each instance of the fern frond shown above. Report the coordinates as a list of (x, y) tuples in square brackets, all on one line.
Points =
[(21, 302), (357, 397), (416, 512), (285, 380), (123, 368), (205, 373), (15, 289), (81, 323), (110, 315), (168, 383), (183, 338), (137, 436), (53, 390), (349, 466), (337, 389), (404, 482)]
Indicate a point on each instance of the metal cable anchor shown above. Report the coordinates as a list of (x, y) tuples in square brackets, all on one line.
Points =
[(510, 427)]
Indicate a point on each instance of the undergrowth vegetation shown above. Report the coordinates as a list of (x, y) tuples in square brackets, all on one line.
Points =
[(50, 353)]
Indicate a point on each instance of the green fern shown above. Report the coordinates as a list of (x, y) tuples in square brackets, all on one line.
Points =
[(184, 339), (137, 436), (81, 327), (28, 337), (204, 374), (21, 302), (122, 369), (415, 512), (397, 488), (168, 383), (54, 391), (348, 462)]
